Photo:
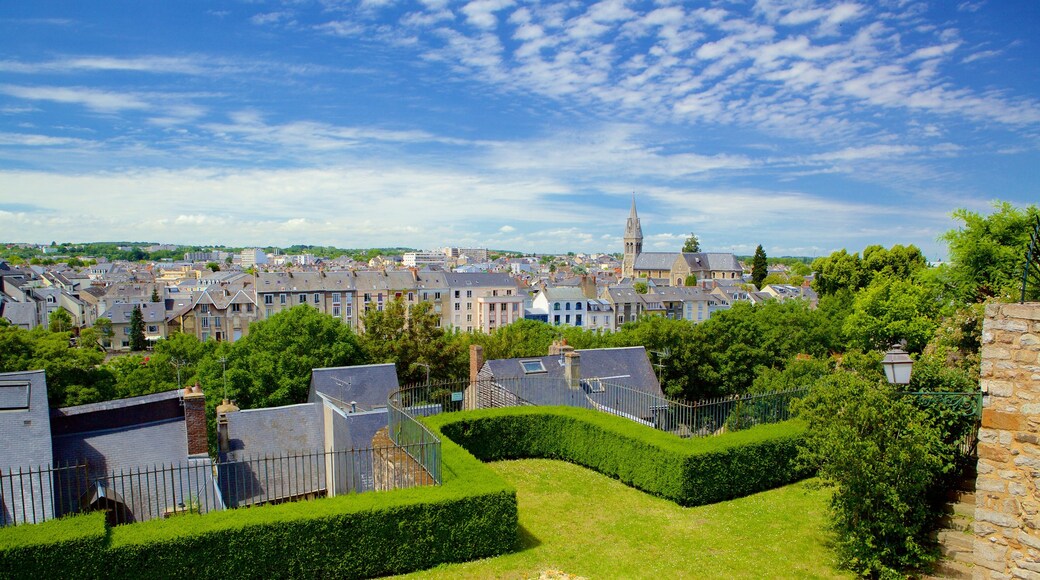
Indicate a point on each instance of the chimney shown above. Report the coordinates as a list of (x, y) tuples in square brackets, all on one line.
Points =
[(476, 361), (572, 368), (195, 420), (559, 347), (223, 437)]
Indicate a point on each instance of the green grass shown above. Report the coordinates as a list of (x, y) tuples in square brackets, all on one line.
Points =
[(583, 523)]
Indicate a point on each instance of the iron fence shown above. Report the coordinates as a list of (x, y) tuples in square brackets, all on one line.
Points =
[(685, 419), (34, 495)]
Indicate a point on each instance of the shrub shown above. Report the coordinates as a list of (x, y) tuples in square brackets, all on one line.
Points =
[(686, 471), (882, 455)]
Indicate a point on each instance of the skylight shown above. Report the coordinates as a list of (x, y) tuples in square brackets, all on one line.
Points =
[(532, 366)]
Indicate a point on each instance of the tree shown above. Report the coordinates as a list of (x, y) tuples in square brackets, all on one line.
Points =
[(104, 328), (882, 455), (890, 310), (988, 252), (641, 287), (60, 320), (137, 341), (155, 294), (759, 267), (213, 266), (409, 337), (692, 244)]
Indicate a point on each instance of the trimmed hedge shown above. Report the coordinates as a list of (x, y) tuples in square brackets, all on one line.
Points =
[(687, 471), (472, 515)]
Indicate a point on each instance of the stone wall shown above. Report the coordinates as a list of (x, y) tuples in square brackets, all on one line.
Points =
[(1007, 491)]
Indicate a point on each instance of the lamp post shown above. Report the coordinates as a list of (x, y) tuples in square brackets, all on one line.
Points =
[(419, 364), (897, 364)]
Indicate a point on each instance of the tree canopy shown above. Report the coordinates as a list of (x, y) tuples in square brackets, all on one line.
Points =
[(692, 244)]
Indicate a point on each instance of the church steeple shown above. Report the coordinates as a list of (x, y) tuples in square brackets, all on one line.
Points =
[(633, 242)]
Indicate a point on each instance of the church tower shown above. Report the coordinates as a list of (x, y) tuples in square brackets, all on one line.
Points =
[(633, 242)]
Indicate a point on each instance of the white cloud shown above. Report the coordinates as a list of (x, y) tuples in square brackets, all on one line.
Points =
[(101, 101)]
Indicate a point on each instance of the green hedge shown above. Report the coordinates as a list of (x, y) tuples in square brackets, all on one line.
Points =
[(472, 515), (686, 471)]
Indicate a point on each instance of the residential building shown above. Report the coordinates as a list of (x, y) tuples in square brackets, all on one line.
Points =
[(153, 314), (219, 313), (563, 306), (482, 301), (252, 257), (332, 293), (421, 259)]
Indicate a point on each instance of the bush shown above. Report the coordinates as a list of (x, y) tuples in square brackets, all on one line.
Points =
[(883, 455), (687, 471), (472, 515)]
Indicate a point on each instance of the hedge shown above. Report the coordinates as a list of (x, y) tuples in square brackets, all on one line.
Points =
[(687, 471), (472, 515)]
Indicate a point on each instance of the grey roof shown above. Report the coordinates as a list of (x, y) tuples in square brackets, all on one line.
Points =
[(19, 313), (304, 281), (25, 431), (150, 312), (556, 293), (128, 447), (367, 385), (479, 280), (656, 260), (713, 261), (627, 366), (293, 429), (679, 293)]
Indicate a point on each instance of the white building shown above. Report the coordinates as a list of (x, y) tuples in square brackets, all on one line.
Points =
[(426, 258)]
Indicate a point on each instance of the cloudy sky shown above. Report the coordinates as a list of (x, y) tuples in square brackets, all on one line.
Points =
[(803, 126)]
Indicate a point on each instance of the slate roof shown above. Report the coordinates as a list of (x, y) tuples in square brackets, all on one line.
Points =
[(293, 429), (479, 280), (656, 260), (627, 366), (569, 293), (21, 314), (367, 385), (150, 311), (713, 261), (304, 281)]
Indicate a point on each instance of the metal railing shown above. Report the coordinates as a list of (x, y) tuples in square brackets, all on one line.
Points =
[(685, 419), (34, 495), (404, 407), (959, 414)]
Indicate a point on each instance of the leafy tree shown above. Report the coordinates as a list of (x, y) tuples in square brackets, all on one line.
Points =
[(691, 280), (882, 455), (692, 244), (271, 366), (890, 310), (839, 271), (104, 328), (213, 266), (759, 267), (59, 320), (137, 341), (73, 374), (641, 287), (988, 252), (410, 337)]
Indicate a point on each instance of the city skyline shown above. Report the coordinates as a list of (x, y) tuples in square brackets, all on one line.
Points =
[(804, 126)]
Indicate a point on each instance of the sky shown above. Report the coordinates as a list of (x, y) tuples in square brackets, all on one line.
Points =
[(803, 126)]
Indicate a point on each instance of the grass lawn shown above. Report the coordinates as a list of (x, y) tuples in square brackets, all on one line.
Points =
[(580, 522)]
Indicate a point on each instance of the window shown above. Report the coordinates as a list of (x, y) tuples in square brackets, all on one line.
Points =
[(335, 310), (469, 294), (126, 344), (153, 328), (205, 308), (397, 295), (302, 298), (14, 395), (577, 305), (205, 322), (504, 306), (458, 306), (268, 299), (577, 320), (515, 307), (249, 308), (567, 319), (436, 295), (456, 293), (556, 319), (317, 298), (532, 366), (336, 297), (126, 330), (236, 308), (281, 298), (567, 306), (494, 292), (469, 318), (368, 297), (621, 319), (469, 306), (556, 306), (217, 322), (411, 296), (509, 292)]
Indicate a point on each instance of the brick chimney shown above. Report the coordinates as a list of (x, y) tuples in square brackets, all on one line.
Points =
[(476, 361), (223, 437), (572, 369), (195, 420)]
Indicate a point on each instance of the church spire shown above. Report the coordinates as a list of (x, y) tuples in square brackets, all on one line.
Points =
[(633, 242)]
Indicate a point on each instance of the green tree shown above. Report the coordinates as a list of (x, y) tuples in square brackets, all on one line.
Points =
[(410, 337), (759, 267), (155, 294), (213, 266), (60, 320), (988, 252), (890, 310), (640, 287), (73, 374), (104, 328), (692, 244), (882, 455), (137, 341)]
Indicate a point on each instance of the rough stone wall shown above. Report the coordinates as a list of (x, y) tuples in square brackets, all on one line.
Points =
[(1007, 491)]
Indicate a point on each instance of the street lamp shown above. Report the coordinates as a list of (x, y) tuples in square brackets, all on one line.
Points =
[(897, 364), (419, 364)]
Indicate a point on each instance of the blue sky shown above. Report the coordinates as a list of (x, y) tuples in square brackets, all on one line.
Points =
[(799, 125)]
